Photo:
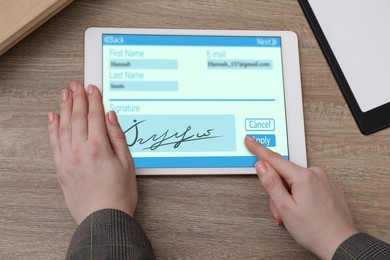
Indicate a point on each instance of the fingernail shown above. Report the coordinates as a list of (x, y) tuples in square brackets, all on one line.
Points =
[(90, 89), (64, 94), (112, 117), (250, 139), (50, 117), (261, 168), (73, 85)]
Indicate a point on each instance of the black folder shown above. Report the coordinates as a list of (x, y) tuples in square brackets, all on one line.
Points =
[(368, 122)]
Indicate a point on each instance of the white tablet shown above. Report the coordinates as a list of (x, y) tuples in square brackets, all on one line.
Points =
[(186, 99)]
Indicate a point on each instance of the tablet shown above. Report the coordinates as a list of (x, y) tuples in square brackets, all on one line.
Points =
[(186, 99), (358, 53)]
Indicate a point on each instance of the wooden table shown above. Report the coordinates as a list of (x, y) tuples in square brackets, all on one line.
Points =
[(19, 18), (184, 217)]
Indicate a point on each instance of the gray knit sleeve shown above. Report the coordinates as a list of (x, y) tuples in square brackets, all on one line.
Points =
[(362, 246), (109, 234)]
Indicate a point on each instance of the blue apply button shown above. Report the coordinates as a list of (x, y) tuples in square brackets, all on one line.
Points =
[(266, 140), (260, 124)]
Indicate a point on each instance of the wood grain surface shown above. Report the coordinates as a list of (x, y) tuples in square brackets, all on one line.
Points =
[(184, 217), (19, 18)]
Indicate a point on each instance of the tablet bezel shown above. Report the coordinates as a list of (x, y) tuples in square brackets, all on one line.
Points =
[(292, 83), (368, 122)]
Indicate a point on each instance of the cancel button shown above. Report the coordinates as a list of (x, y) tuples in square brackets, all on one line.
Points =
[(260, 124)]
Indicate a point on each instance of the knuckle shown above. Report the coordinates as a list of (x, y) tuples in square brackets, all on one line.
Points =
[(64, 130), (79, 116), (307, 175), (94, 147), (307, 172), (95, 115), (273, 155), (283, 207), (316, 169), (52, 128), (118, 134), (54, 147), (310, 175), (75, 157)]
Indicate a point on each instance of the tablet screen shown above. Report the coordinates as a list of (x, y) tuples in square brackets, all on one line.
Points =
[(188, 101)]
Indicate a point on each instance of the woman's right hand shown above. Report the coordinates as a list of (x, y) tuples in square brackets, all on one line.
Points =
[(309, 203)]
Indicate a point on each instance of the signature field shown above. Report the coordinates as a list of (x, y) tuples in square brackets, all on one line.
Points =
[(179, 133)]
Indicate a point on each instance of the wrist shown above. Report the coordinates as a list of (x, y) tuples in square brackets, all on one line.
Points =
[(335, 240)]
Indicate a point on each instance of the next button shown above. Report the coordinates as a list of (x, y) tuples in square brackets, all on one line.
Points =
[(266, 140), (259, 124)]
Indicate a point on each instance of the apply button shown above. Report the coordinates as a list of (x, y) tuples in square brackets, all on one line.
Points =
[(260, 124), (266, 140)]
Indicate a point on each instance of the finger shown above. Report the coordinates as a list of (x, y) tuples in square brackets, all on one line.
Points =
[(65, 132), (287, 169), (117, 138), (275, 213), (79, 112), (96, 122), (54, 138), (273, 184)]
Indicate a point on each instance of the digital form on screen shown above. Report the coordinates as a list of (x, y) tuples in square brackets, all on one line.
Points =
[(189, 101)]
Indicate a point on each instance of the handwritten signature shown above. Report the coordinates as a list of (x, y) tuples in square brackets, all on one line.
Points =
[(167, 138)]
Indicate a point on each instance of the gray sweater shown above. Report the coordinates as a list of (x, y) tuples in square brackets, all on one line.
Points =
[(112, 234)]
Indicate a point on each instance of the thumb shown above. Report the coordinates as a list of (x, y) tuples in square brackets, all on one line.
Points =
[(273, 184), (117, 138), (275, 213)]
